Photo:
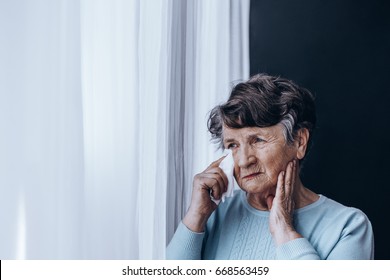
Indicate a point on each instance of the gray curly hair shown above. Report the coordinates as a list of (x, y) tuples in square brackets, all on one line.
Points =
[(264, 101)]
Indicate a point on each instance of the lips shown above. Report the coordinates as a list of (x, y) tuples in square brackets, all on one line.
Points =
[(251, 176)]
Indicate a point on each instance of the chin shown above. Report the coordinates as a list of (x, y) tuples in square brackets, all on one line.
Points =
[(252, 188)]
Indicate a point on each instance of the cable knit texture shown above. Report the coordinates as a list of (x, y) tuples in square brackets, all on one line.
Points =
[(236, 230)]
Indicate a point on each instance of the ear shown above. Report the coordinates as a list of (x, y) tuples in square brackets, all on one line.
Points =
[(301, 142)]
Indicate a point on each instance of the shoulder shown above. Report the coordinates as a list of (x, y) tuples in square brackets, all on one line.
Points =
[(331, 207), (335, 213), (352, 218), (340, 210), (336, 231)]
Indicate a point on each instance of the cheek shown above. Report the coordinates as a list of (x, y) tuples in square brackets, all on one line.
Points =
[(236, 171), (276, 161)]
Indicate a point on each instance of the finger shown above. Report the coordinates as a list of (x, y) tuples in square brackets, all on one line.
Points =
[(280, 192), (214, 184), (218, 177), (295, 175), (270, 200), (288, 181), (216, 163), (204, 181), (207, 183), (219, 172)]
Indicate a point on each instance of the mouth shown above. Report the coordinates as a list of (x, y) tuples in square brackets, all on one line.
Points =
[(251, 176)]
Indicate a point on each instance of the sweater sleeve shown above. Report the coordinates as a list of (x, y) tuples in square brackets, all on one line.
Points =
[(356, 241), (185, 244), (297, 249)]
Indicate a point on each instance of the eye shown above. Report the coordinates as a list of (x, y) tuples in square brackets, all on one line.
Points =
[(231, 146), (258, 140)]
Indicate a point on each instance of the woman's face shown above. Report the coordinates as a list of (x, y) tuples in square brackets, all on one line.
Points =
[(260, 154)]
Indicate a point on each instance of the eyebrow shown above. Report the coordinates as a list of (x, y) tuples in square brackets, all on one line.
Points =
[(228, 140), (250, 136)]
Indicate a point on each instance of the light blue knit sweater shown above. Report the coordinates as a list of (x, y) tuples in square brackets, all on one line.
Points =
[(236, 230)]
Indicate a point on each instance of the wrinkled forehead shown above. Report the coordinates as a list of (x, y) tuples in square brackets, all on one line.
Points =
[(229, 133)]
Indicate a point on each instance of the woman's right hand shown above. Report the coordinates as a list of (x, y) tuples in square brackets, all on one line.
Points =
[(211, 181)]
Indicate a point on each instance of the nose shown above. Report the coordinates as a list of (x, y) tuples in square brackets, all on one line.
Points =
[(245, 156)]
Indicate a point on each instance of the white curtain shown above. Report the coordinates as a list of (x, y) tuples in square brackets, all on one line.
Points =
[(103, 109)]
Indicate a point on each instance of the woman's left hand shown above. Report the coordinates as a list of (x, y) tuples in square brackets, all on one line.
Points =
[(282, 206)]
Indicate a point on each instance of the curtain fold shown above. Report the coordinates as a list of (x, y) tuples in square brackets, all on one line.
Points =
[(103, 109), (112, 128), (41, 141)]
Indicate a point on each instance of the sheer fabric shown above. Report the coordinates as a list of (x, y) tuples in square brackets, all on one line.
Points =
[(103, 109)]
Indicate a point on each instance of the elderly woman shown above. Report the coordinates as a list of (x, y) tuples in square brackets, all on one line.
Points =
[(267, 123)]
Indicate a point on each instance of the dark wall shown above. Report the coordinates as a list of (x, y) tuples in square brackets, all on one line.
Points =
[(340, 50)]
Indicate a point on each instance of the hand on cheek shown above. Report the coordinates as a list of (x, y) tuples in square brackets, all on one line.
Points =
[(282, 206)]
